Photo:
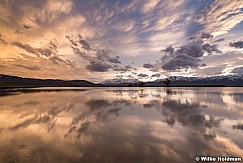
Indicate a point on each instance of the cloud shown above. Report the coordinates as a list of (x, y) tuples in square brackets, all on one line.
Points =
[(38, 51), (2, 40), (237, 44), (56, 59), (238, 70), (184, 57), (211, 48), (220, 40), (221, 16), (211, 71), (82, 54), (206, 35), (91, 54), (25, 65), (85, 44), (239, 126), (53, 10), (168, 49), (26, 47), (45, 51), (148, 65), (142, 75), (179, 61), (71, 40), (203, 64), (98, 66), (50, 53), (119, 76), (100, 60), (105, 55), (189, 55), (28, 67), (77, 40), (27, 26), (157, 75), (193, 49), (122, 68), (149, 5)]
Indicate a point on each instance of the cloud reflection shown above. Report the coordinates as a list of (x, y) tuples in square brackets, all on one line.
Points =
[(129, 125)]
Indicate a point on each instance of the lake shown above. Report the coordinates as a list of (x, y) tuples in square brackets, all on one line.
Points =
[(120, 124)]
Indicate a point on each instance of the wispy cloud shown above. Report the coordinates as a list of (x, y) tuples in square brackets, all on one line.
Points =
[(221, 16)]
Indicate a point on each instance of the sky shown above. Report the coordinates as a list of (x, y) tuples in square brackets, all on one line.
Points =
[(97, 40)]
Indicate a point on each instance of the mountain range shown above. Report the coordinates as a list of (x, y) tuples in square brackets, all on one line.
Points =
[(230, 80), (14, 81)]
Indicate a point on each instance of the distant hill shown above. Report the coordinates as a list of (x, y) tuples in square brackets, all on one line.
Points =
[(14, 81)]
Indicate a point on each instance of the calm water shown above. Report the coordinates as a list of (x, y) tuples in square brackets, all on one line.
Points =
[(121, 124)]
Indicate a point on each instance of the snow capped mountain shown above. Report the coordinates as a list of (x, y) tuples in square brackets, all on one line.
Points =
[(233, 80), (118, 81), (229, 80)]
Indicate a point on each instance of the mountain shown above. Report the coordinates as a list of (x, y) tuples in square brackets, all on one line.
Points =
[(120, 82), (14, 81), (230, 80)]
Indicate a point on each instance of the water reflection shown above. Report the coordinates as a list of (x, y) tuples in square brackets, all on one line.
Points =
[(120, 124)]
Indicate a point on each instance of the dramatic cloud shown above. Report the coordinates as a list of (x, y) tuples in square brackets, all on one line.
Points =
[(237, 44), (88, 37), (98, 66), (188, 56), (148, 65), (184, 57)]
